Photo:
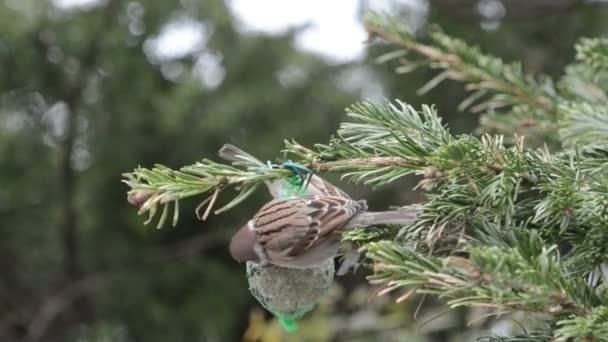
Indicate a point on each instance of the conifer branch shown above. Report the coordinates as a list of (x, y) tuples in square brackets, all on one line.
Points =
[(593, 51), (525, 277), (584, 123), (503, 226), (495, 86), (532, 337), (591, 327)]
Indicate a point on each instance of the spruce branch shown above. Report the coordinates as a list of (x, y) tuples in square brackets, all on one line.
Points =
[(532, 337), (502, 208), (583, 82), (507, 279), (472, 180), (592, 327), (584, 123), (161, 185), (504, 226), (593, 51), (592, 159), (490, 79), (476, 179), (363, 236), (513, 102)]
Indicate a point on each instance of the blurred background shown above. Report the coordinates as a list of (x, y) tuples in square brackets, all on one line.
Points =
[(90, 89)]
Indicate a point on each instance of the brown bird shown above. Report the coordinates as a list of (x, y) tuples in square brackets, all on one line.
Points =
[(303, 232)]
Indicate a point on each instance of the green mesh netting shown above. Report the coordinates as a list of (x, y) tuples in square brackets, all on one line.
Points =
[(287, 292)]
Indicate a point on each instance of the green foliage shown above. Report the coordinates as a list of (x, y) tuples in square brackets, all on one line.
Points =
[(532, 337), (593, 52), (526, 277), (593, 327), (513, 101), (82, 99), (493, 84), (506, 210), (504, 226), (481, 187), (162, 186), (584, 123), (93, 67), (364, 236)]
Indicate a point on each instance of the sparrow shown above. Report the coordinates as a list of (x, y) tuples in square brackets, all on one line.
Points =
[(303, 232)]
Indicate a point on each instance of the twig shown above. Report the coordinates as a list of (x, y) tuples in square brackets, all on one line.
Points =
[(432, 318), (375, 162), (52, 307), (55, 305), (211, 203)]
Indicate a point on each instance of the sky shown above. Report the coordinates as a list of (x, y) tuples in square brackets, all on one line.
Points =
[(334, 28)]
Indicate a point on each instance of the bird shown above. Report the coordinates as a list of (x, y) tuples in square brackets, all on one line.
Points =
[(303, 232)]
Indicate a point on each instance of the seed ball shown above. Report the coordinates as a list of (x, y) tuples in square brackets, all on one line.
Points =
[(289, 292)]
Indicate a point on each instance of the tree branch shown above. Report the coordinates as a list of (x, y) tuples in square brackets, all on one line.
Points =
[(55, 305), (71, 95), (460, 69)]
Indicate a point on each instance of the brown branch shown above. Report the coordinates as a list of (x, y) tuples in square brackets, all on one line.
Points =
[(375, 162), (211, 203), (59, 303), (71, 94), (320, 167), (55, 305)]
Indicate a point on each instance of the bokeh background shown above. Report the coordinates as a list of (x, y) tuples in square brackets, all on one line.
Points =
[(90, 89)]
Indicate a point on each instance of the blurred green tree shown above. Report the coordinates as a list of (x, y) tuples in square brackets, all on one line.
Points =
[(86, 94)]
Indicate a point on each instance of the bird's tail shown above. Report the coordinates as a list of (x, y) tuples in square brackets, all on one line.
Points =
[(239, 157), (236, 155)]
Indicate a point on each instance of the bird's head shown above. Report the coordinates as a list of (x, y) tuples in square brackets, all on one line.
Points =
[(242, 245)]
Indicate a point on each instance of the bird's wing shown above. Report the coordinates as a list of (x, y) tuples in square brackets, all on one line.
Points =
[(320, 187), (291, 227)]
